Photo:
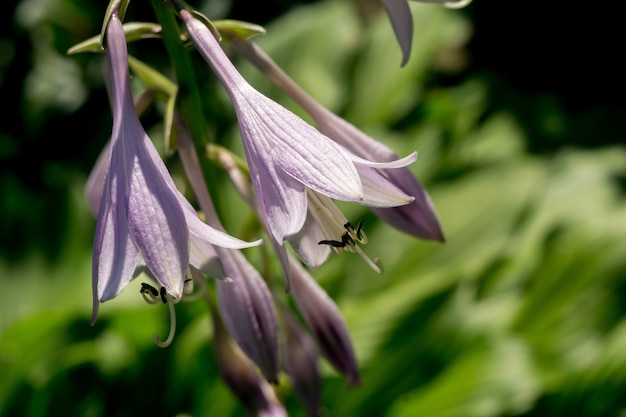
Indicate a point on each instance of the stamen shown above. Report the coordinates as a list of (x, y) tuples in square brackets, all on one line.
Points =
[(188, 286), (149, 293), (170, 337), (375, 264), (152, 296), (334, 224)]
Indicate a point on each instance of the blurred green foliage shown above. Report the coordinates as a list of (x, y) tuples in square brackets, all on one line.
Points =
[(519, 313)]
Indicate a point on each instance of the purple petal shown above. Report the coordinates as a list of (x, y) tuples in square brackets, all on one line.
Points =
[(95, 182), (418, 218), (401, 19), (282, 200), (114, 254), (247, 309), (298, 148), (306, 243), (155, 218)]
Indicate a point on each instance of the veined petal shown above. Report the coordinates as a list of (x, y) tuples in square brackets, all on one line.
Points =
[(114, 254), (379, 191), (302, 151), (155, 217), (393, 164), (282, 200)]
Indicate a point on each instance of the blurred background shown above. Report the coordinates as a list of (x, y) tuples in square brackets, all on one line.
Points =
[(517, 113)]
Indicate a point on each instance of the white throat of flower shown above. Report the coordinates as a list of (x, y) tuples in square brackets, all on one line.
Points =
[(338, 232)]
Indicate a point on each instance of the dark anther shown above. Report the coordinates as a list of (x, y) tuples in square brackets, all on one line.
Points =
[(148, 289), (163, 295), (347, 240), (333, 243), (358, 229)]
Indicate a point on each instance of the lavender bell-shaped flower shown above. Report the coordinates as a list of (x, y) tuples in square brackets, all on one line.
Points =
[(418, 218), (239, 372), (245, 303), (290, 160), (143, 220)]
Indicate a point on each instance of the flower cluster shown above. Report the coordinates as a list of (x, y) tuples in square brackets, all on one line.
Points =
[(292, 177)]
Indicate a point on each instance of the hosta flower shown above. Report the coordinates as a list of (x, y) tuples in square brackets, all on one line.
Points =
[(290, 159), (240, 373), (419, 217), (143, 220), (245, 302), (402, 22)]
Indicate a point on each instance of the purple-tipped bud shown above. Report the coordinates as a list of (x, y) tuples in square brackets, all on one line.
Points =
[(247, 309), (300, 361), (241, 375), (325, 323)]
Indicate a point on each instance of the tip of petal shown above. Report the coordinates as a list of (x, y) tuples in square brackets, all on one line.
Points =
[(94, 312)]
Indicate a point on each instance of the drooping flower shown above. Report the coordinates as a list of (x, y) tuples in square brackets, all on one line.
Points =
[(241, 375), (399, 14), (419, 217), (288, 158), (245, 302), (143, 220)]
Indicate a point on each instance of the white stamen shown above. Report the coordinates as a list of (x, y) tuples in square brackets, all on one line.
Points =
[(375, 264), (170, 337), (336, 228)]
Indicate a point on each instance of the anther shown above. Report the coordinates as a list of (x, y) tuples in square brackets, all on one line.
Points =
[(149, 293)]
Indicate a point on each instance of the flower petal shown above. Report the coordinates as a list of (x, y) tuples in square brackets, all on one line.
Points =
[(418, 218), (306, 243), (402, 21), (95, 182), (299, 149), (114, 254), (155, 218), (379, 191), (282, 199)]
